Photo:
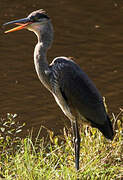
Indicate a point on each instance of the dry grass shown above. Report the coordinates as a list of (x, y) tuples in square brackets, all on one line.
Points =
[(22, 159)]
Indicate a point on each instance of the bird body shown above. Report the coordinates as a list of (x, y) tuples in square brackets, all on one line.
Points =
[(77, 95), (72, 89)]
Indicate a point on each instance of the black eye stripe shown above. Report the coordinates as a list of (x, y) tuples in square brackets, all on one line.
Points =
[(36, 17), (39, 15)]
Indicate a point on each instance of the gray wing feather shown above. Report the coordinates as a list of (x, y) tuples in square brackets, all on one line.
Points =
[(79, 91)]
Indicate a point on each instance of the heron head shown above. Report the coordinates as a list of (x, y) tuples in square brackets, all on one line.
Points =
[(34, 22)]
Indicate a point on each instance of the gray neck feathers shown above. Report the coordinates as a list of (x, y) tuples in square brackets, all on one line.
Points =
[(45, 37)]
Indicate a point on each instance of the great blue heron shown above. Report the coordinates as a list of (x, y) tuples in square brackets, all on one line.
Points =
[(73, 91)]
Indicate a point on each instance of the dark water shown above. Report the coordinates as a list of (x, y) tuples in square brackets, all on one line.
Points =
[(90, 31)]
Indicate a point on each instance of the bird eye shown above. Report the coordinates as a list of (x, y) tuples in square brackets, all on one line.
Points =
[(36, 18)]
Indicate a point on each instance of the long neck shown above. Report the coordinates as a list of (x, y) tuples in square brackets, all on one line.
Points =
[(40, 56)]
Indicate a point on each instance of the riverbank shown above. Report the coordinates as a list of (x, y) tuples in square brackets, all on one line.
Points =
[(22, 159)]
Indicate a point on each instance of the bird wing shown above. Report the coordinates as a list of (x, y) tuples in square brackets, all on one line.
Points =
[(78, 90)]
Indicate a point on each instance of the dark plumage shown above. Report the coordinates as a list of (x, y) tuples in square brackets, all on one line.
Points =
[(81, 94)]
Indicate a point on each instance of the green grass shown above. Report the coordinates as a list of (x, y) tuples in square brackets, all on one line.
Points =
[(23, 159)]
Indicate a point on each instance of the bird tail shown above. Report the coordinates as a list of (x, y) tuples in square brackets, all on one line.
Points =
[(107, 129)]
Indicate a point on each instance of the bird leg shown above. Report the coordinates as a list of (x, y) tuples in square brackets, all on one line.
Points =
[(76, 137)]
